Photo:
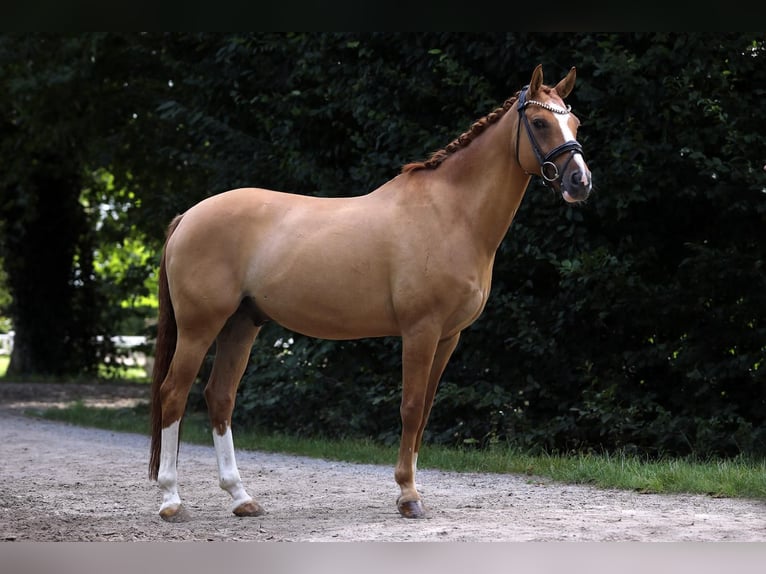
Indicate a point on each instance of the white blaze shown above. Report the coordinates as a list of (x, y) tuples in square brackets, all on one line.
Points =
[(568, 135)]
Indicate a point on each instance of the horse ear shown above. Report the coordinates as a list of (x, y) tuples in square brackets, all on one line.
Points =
[(564, 87), (536, 81)]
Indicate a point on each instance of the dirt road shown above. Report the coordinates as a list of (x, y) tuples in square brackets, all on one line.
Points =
[(64, 483)]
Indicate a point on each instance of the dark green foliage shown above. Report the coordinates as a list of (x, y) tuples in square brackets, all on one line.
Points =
[(634, 322)]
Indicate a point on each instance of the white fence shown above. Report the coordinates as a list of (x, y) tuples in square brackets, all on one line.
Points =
[(128, 347), (129, 352), (6, 343)]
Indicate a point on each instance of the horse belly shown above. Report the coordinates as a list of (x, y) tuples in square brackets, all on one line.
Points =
[(324, 297), (330, 313)]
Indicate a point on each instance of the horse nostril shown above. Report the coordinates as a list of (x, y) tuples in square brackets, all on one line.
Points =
[(580, 179)]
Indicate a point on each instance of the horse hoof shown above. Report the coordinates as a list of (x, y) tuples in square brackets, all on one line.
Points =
[(251, 508), (411, 509), (175, 513)]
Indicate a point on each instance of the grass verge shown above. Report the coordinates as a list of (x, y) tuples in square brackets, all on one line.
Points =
[(733, 478)]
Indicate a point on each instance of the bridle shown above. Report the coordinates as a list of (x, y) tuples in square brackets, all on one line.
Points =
[(548, 169)]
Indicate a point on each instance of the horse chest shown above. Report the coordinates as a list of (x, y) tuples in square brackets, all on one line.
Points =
[(472, 304)]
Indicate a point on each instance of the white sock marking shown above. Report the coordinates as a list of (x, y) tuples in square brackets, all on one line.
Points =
[(167, 477), (228, 474)]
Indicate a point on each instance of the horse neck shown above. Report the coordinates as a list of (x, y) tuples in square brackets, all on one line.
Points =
[(486, 181)]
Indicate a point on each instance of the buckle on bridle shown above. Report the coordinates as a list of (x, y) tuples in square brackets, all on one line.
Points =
[(545, 168)]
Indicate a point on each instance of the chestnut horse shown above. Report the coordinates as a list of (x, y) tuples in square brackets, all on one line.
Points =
[(413, 259)]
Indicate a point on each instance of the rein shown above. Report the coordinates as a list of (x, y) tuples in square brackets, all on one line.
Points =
[(548, 169)]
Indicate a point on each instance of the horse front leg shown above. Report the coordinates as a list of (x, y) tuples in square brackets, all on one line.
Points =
[(444, 351), (417, 360), (232, 354)]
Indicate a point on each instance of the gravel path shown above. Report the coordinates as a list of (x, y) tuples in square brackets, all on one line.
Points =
[(60, 482)]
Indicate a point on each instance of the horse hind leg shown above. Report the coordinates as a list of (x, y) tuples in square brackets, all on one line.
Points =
[(174, 391), (232, 354)]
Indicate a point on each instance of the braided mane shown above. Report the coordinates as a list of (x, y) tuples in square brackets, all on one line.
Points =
[(464, 139)]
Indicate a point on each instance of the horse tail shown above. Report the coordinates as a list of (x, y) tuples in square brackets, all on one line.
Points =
[(164, 349)]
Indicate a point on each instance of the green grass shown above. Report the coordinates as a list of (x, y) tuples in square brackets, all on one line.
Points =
[(123, 373), (736, 478)]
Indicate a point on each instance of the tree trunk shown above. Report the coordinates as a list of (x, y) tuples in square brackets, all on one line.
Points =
[(49, 271)]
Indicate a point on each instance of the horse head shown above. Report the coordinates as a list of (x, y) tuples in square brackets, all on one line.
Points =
[(550, 148)]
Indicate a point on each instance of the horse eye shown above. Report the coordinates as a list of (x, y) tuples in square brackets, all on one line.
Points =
[(538, 123)]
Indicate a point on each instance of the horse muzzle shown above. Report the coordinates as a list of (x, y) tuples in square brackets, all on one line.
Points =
[(576, 185), (573, 178)]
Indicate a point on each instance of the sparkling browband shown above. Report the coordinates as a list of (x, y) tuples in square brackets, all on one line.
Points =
[(550, 108)]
